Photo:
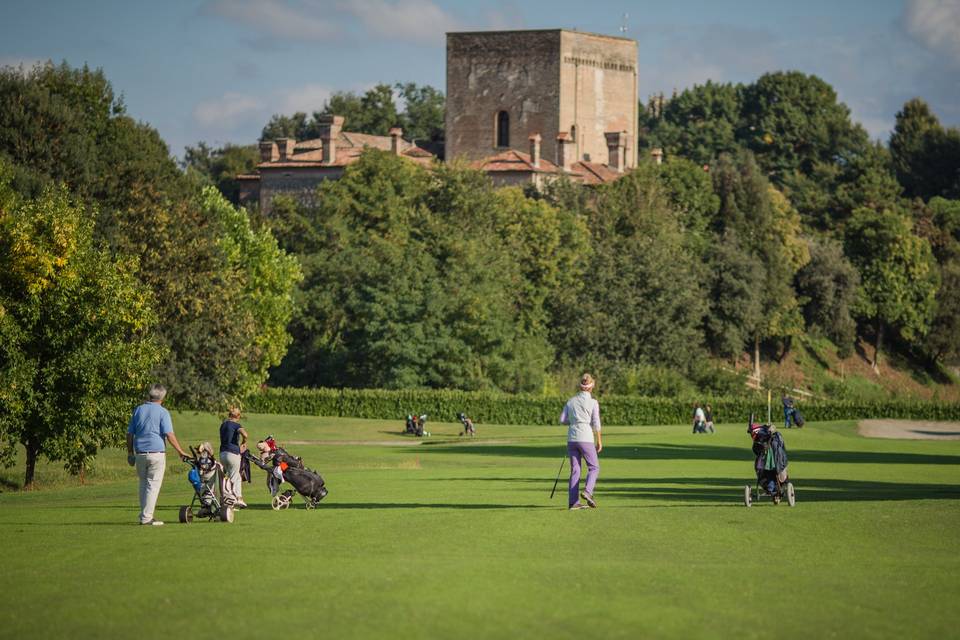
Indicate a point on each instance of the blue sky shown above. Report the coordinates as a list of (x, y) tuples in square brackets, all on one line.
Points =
[(215, 70)]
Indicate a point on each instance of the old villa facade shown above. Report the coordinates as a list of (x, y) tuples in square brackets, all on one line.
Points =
[(526, 107)]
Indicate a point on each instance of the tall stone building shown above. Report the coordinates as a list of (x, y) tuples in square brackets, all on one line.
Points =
[(576, 91)]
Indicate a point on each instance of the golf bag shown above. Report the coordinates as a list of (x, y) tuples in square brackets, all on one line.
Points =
[(212, 488), (414, 425), (770, 462), (281, 467), (798, 418)]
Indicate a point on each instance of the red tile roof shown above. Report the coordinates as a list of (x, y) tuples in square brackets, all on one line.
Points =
[(309, 153), (512, 160), (594, 172)]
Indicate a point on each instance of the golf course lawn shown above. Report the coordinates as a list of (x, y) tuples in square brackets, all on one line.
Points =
[(446, 538)]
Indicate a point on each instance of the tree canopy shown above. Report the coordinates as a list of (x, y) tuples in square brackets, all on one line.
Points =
[(374, 112), (76, 325), (64, 126)]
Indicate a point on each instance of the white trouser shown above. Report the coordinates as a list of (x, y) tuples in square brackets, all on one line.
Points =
[(231, 469), (150, 468)]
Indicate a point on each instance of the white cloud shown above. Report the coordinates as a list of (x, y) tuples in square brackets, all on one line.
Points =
[(276, 18), (236, 112), (414, 20), (228, 111), (936, 24), (308, 98)]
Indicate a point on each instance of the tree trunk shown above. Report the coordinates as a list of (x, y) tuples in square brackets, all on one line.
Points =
[(33, 451), (756, 357), (875, 365)]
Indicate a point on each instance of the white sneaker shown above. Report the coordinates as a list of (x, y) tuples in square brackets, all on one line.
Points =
[(240, 504), (153, 523)]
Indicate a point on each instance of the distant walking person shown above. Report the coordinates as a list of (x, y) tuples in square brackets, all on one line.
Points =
[(149, 425), (699, 420), (788, 411), (582, 415), (708, 417), (233, 441)]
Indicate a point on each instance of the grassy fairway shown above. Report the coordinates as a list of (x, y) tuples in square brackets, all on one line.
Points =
[(450, 539)]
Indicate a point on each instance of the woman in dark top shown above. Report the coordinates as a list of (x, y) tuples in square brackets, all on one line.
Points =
[(233, 441)]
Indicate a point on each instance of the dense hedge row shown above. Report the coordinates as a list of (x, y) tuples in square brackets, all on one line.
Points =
[(497, 408)]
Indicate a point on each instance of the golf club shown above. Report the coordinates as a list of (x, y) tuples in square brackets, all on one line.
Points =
[(562, 460)]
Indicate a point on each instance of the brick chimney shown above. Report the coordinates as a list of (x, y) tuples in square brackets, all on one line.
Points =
[(657, 155), (268, 151), (329, 132), (535, 149), (396, 135), (565, 150), (616, 147), (286, 145)]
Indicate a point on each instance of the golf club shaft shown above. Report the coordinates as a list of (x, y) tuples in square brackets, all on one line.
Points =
[(562, 460)]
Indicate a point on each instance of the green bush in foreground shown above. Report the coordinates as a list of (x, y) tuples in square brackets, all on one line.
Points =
[(499, 408)]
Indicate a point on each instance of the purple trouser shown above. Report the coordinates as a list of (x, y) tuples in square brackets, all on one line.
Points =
[(587, 451)]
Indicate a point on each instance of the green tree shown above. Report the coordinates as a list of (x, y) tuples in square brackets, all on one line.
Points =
[(940, 221), (734, 296), (298, 126), (898, 275), (793, 121), (65, 125), (699, 124), (942, 342), (423, 112), (220, 167), (642, 301), (926, 156), (375, 112), (828, 284), (768, 228), (867, 180), (414, 282), (53, 121), (76, 327), (690, 190), (266, 279)]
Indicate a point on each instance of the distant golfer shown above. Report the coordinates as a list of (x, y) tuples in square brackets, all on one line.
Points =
[(582, 414)]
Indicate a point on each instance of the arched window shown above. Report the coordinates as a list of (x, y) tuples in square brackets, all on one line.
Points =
[(573, 133), (503, 129)]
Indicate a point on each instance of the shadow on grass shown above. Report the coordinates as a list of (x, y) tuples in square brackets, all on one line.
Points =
[(706, 489), (401, 505), (660, 451)]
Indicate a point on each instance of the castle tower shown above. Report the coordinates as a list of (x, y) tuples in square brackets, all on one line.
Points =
[(505, 86)]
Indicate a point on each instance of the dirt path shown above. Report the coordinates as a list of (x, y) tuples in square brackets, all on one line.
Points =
[(909, 429), (398, 443)]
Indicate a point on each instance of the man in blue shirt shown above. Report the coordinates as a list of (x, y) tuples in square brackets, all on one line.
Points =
[(149, 425)]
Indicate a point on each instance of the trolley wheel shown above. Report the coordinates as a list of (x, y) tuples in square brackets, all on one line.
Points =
[(747, 496), (186, 515), (226, 514), (286, 503), (277, 503), (791, 495)]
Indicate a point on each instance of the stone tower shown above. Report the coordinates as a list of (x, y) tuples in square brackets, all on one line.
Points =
[(505, 86)]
